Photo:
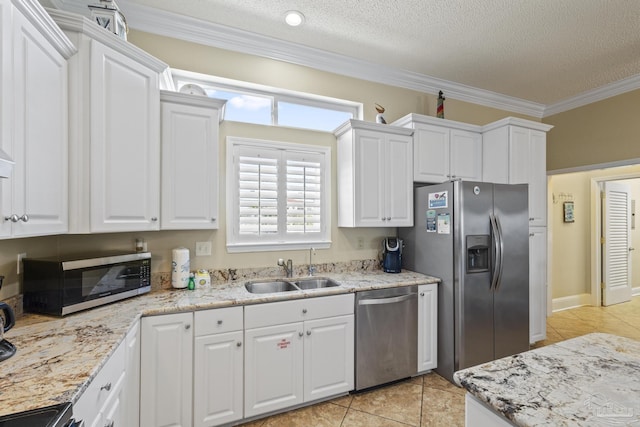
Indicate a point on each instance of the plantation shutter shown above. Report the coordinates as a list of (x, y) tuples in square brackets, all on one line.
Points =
[(304, 193), (258, 192)]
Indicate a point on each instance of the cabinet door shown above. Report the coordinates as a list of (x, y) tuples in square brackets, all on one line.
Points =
[(273, 368), (189, 167), (398, 183), (125, 143), (431, 154), (40, 133), (465, 155), (217, 381), (166, 374), (131, 402), (538, 179), (113, 413), (369, 176), (427, 327), (537, 284), (328, 357), (518, 155)]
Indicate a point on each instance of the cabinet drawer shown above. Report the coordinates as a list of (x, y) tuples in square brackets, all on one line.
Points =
[(102, 387), (278, 313), (218, 320)]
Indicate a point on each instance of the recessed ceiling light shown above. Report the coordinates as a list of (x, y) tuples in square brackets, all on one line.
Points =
[(294, 18)]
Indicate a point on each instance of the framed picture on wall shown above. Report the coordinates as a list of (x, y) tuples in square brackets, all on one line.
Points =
[(568, 212)]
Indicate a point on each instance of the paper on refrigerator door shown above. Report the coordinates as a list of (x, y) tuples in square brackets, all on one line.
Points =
[(444, 223)]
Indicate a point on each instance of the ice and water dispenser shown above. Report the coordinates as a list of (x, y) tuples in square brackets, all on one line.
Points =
[(478, 253)]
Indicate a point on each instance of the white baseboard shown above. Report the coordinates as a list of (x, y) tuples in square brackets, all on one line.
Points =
[(572, 301), (635, 291)]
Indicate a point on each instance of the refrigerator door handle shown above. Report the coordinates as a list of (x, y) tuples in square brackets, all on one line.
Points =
[(500, 258), (496, 250)]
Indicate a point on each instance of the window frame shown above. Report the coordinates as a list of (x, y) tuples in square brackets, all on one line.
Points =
[(282, 241), (275, 94)]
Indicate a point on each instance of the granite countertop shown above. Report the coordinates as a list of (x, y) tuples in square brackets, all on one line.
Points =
[(58, 357), (592, 380)]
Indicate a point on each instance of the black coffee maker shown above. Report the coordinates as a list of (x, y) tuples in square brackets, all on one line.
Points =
[(7, 321), (392, 255)]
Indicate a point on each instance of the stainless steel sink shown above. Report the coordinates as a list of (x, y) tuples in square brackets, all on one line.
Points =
[(270, 286), (316, 283)]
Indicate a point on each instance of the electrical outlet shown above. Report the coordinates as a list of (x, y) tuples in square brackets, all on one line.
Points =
[(19, 266), (360, 242), (203, 248)]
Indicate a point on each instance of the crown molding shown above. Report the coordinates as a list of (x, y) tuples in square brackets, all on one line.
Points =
[(613, 89), (35, 13), (155, 21)]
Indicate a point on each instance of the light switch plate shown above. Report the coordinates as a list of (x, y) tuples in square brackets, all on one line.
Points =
[(203, 248)]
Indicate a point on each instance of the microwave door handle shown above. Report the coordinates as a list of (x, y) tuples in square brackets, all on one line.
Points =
[(496, 249), (501, 257)]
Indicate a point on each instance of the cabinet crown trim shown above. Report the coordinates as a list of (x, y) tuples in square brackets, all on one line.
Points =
[(38, 16), (410, 120), (193, 100), (517, 122), (377, 127), (69, 21)]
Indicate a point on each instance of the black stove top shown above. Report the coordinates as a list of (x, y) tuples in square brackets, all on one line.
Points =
[(51, 416)]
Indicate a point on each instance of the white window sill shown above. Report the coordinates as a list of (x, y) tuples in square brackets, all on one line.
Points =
[(274, 246)]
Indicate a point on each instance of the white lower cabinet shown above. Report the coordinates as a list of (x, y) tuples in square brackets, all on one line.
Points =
[(132, 381), (297, 351), (537, 284), (218, 366), (427, 327), (167, 370)]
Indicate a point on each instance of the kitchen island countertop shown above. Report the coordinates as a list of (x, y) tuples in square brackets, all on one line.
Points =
[(592, 380), (58, 357)]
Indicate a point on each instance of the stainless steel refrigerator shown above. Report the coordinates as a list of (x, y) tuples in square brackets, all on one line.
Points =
[(475, 237)]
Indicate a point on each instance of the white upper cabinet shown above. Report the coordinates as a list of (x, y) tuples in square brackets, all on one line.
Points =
[(444, 149), (375, 186), (33, 120), (190, 161), (114, 138), (514, 152)]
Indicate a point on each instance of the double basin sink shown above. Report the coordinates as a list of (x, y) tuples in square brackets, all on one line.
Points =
[(279, 285)]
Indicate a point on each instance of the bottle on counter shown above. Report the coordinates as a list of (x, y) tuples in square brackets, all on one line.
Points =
[(192, 282)]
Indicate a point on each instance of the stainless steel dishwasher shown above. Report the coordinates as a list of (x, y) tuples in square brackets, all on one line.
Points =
[(386, 335)]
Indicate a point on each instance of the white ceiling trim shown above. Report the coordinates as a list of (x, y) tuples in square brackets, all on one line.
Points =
[(616, 88), (194, 30)]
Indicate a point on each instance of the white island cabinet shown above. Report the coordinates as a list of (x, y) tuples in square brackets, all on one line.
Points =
[(114, 136), (298, 351), (190, 160), (444, 149), (375, 187), (33, 120), (166, 371)]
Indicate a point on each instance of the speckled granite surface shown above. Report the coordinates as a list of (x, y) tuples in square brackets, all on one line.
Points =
[(58, 357), (592, 380)]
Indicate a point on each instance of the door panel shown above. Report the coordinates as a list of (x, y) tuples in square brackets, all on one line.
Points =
[(617, 243)]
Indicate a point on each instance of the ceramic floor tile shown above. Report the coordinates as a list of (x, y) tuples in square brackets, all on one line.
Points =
[(436, 382), (362, 419), (442, 408), (320, 415), (399, 402), (343, 401)]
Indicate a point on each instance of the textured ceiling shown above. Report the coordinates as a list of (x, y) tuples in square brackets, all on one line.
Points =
[(538, 50)]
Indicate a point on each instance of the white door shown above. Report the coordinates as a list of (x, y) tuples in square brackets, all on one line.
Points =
[(328, 357), (427, 327), (398, 182), (273, 368), (369, 176), (616, 247), (166, 370), (217, 380), (431, 154)]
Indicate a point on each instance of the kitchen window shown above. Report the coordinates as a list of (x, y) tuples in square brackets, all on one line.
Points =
[(278, 195), (264, 105)]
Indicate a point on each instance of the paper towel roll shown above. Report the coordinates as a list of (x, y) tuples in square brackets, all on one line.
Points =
[(180, 268)]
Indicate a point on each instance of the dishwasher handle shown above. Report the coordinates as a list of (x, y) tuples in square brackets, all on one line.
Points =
[(392, 300)]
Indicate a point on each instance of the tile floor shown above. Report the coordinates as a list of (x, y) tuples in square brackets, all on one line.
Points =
[(430, 400)]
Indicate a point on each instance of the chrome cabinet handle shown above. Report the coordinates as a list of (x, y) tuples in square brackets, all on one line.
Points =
[(219, 322), (213, 220), (24, 218), (110, 423), (421, 294), (107, 387), (304, 311), (239, 344), (300, 334), (154, 219), (12, 218), (187, 326), (308, 332)]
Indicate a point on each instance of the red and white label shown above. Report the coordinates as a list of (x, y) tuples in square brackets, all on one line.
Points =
[(283, 343)]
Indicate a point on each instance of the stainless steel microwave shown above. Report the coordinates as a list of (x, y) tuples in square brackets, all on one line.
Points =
[(65, 285)]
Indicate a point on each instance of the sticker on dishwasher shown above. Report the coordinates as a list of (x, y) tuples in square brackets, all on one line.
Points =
[(283, 343), (439, 200), (431, 221), (444, 223)]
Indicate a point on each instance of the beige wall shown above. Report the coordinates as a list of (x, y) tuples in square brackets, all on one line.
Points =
[(571, 242), (602, 132), (178, 54)]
